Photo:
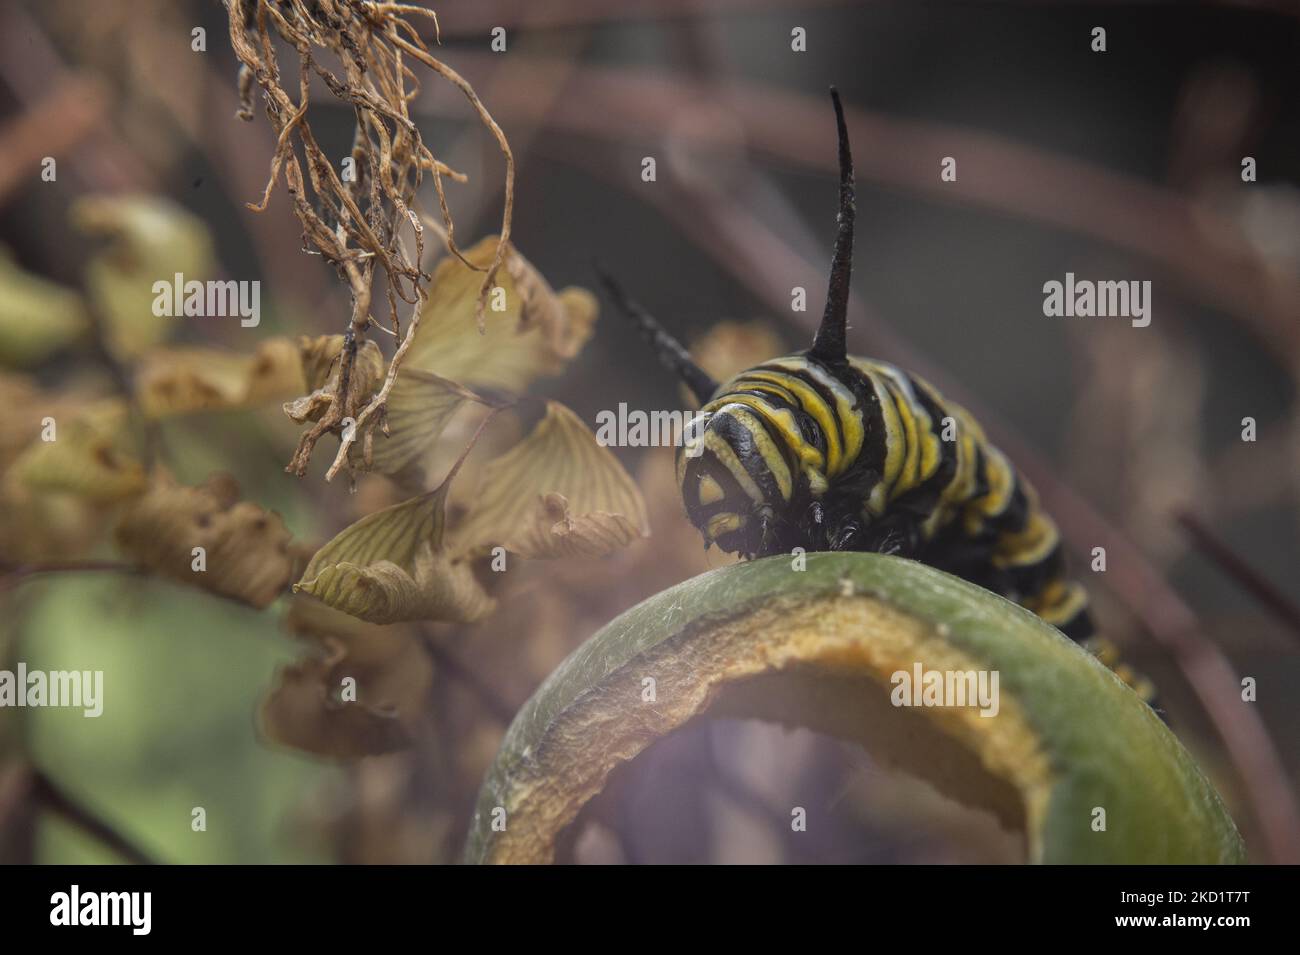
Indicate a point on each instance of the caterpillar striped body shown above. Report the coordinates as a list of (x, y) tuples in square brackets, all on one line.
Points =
[(821, 450), (796, 453)]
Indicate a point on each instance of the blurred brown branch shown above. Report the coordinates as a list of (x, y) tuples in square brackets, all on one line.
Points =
[(473, 17), (30, 67), (1207, 255), (52, 126), (450, 666), (1235, 566), (55, 799)]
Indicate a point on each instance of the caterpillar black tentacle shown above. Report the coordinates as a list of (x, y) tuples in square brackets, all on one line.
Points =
[(670, 351), (825, 451), (831, 342)]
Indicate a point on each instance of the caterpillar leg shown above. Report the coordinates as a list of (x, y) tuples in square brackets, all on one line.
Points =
[(897, 534), (1108, 654), (1064, 606)]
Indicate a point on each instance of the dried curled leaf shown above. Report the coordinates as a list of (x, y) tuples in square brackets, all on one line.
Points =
[(397, 670), (556, 494), (151, 240), (173, 381), (390, 566), (305, 710), (48, 517), (391, 676), (557, 532), (534, 336), (39, 527), (37, 317), (728, 348), (321, 369), (420, 405), (28, 404), (564, 319), (320, 362), (245, 548), (86, 457)]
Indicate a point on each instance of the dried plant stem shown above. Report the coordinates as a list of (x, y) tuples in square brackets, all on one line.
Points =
[(11, 575), (1282, 607), (508, 214), (451, 666), (377, 402), (55, 799)]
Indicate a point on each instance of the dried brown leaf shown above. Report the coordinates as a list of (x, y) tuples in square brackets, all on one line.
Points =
[(173, 381), (420, 406), (390, 566), (151, 240), (556, 494), (305, 710), (534, 336), (245, 548), (728, 348), (321, 370), (86, 458), (37, 317)]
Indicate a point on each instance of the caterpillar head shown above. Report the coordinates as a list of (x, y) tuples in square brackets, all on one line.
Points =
[(743, 471), (730, 490)]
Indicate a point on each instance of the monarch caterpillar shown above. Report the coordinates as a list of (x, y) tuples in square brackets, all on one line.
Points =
[(821, 450)]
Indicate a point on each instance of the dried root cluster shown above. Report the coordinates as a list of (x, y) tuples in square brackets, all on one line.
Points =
[(360, 215)]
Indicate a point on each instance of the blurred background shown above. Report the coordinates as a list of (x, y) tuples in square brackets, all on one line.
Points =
[(1125, 165)]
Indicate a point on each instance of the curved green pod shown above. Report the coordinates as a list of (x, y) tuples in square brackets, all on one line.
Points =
[(1058, 747)]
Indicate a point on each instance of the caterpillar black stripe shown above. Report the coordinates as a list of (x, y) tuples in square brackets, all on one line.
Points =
[(825, 451)]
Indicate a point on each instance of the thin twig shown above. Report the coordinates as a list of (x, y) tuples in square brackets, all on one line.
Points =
[(55, 799), (1281, 606), (15, 572), (53, 126), (449, 665)]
